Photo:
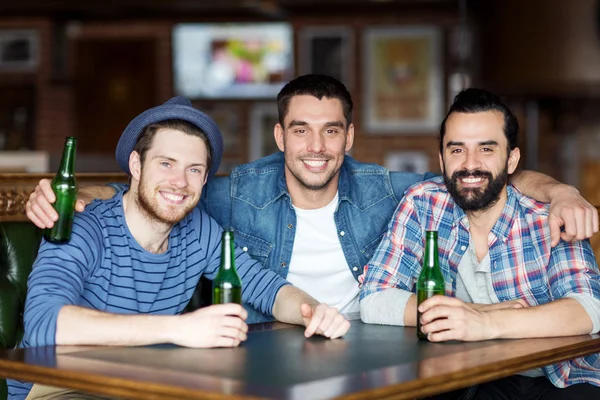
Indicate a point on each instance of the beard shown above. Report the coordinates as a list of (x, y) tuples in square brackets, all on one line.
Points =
[(476, 199), (147, 201)]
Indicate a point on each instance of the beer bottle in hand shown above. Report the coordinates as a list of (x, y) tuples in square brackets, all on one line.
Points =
[(64, 186), (227, 285), (431, 280)]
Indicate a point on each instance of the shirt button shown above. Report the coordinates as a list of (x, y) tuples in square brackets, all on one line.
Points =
[(290, 226), (342, 233), (355, 269), (283, 264), (463, 248), (245, 248)]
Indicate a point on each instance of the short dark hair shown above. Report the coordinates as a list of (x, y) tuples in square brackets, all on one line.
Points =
[(479, 100), (144, 141), (318, 86)]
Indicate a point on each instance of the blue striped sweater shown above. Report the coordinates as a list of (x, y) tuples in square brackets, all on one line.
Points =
[(104, 268)]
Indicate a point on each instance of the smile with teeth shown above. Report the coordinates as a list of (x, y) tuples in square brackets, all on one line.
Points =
[(172, 197), (472, 179), (315, 163)]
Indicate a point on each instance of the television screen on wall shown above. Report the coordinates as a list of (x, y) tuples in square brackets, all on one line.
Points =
[(232, 60)]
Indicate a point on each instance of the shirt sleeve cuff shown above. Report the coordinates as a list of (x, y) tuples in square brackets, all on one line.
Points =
[(591, 306), (385, 307)]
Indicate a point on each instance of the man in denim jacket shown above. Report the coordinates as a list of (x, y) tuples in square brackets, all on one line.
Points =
[(312, 213)]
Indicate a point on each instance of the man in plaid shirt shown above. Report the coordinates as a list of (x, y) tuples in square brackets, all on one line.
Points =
[(503, 277)]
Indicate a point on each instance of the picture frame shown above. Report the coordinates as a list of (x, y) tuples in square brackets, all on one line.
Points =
[(407, 161), (19, 50), (263, 118), (403, 90), (327, 50)]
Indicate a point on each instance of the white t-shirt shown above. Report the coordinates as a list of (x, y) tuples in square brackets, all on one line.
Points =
[(318, 265)]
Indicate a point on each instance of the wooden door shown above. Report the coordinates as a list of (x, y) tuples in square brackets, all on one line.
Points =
[(114, 81)]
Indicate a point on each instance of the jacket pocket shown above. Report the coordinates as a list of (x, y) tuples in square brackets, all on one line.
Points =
[(257, 248), (370, 248)]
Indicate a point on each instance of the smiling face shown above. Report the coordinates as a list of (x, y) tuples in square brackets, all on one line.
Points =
[(475, 159), (169, 183), (314, 138)]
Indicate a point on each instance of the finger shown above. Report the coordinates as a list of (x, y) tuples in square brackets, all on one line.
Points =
[(47, 222), (443, 336), (232, 333), (329, 319), (46, 209), (437, 312), (595, 220), (438, 301), (341, 330), (580, 232), (335, 330), (232, 309), (235, 322), (306, 311), (554, 230), (46, 190), (570, 228), (32, 217), (80, 206), (314, 323), (223, 341)]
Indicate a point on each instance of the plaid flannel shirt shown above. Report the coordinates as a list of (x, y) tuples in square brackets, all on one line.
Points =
[(523, 264)]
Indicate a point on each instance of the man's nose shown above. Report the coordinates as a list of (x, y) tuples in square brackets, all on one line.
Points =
[(316, 143)]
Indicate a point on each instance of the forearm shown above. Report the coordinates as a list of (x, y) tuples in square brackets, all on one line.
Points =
[(287, 304), (547, 320), (389, 307), (537, 185), (83, 326), (101, 192)]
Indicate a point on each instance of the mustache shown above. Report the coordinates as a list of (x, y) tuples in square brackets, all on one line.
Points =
[(477, 173)]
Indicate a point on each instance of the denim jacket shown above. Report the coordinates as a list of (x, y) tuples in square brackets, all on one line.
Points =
[(254, 201)]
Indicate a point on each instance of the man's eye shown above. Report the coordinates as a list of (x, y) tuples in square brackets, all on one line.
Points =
[(165, 164), (454, 151), (331, 131), (486, 149)]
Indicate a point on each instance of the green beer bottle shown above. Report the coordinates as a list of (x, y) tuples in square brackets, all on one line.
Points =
[(431, 280), (227, 285), (64, 186)]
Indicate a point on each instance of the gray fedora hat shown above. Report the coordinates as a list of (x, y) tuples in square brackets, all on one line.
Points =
[(176, 108)]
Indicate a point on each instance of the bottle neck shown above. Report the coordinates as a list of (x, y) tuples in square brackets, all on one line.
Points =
[(227, 251), (67, 163), (431, 250)]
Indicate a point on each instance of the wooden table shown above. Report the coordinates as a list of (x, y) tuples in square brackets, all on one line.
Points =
[(371, 362)]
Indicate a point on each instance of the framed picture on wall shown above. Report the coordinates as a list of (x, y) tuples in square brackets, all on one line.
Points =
[(327, 50), (226, 115), (263, 118), (407, 161), (18, 50), (402, 82)]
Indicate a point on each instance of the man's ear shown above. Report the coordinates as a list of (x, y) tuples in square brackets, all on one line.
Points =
[(349, 137), (278, 134), (513, 160), (135, 165), (441, 162)]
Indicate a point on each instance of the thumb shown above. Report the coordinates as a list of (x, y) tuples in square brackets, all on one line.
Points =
[(554, 230), (79, 206), (306, 311)]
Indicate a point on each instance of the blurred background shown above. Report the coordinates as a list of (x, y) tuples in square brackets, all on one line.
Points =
[(86, 68)]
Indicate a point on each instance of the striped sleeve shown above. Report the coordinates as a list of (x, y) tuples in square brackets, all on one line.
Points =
[(57, 279), (259, 285)]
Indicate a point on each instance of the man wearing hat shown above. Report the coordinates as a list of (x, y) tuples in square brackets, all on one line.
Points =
[(134, 261)]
